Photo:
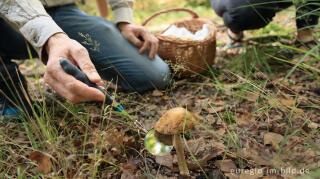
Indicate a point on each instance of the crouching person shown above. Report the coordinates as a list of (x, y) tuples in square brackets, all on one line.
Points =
[(118, 51), (241, 15)]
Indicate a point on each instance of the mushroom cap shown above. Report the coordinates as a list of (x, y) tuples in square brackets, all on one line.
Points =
[(173, 120)]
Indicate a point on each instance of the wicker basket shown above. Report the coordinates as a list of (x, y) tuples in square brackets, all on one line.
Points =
[(187, 57)]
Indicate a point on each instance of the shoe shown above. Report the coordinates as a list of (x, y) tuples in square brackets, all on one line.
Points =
[(12, 85), (235, 46), (7, 112), (235, 42)]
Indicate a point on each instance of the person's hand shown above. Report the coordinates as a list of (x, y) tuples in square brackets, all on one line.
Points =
[(140, 37), (61, 46)]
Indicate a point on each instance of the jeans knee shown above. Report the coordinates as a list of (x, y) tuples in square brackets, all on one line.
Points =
[(158, 76), (161, 77)]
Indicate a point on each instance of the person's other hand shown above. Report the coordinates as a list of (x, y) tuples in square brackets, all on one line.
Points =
[(61, 46), (140, 37)]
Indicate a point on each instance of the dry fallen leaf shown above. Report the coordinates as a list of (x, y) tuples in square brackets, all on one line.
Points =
[(232, 175), (253, 155), (129, 141), (226, 165), (313, 125), (151, 107), (272, 137), (245, 120), (43, 161), (260, 75), (196, 146), (205, 153), (166, 160), (157, 93), (113, 139), (215, 110), (287, 102), (281, 102), (127, 175), (186, 101), (148, 124), (252, 97), (305, 156), (128, 169)]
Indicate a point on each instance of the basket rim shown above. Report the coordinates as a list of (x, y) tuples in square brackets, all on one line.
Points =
[(211, 37)]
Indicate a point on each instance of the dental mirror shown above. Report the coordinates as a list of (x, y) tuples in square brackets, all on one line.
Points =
[(154, 146)]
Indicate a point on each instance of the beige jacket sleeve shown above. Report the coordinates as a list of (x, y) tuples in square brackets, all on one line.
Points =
[(31, 19), (122, 10)]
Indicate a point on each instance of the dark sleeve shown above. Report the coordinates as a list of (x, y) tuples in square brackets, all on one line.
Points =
[(307, 14)]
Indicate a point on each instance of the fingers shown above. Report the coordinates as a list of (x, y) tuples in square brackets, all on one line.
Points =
[(81, 56), (145, 46), (72, 89), (61, 46), (81, 93), (132, 32), (150, 42), (137, 42), (154, 48)]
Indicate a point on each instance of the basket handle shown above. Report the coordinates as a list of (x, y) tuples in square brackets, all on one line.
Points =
[(192, 13)]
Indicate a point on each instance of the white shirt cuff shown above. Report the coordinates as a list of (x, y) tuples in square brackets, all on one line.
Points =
[(38, 30), (123, 14)]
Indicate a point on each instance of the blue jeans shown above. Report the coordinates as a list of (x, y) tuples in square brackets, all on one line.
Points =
[(115, 58)]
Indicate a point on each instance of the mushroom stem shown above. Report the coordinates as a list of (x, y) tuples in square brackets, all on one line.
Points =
[(183, 168)]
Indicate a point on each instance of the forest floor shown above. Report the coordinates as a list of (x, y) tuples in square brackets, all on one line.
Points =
[(260, 118)]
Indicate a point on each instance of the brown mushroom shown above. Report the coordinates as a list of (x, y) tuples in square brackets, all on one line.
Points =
[(174, 122)]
